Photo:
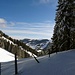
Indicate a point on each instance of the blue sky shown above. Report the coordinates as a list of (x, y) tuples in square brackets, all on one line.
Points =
[(28, 18)]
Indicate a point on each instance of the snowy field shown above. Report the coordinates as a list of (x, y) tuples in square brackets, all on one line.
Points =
[(62, 63), (5, 56)]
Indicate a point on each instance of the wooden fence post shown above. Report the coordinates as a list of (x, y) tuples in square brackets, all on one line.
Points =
[(0, 68), (35, 58), (49, 52), (16, 70)]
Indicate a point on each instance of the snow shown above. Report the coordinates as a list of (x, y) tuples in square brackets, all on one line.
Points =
[(62, 63), (45, 45), (31, 54), (39, 51), (19, 46), (6, 56), (32, 46), (7, 40), (37, 44)]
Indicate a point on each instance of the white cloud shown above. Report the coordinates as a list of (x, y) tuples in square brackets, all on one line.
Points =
[(36, 25), (38, 2), (26, 32), (23, 29), (44, 1), (2, 20), (3, 23), (21, 34), (11, 24)]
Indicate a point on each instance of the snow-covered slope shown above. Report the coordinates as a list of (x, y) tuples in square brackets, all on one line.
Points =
[(62, 63), (5, 56), (37, 44), (14, 45)]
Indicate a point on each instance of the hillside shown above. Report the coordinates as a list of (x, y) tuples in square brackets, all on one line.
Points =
[(6, 56), (62, 63), (16, 46), (37, 44)]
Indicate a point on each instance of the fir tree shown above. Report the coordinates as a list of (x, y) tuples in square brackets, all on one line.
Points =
[(64, 30)]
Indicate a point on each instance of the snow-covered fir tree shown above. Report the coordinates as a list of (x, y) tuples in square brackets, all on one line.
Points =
[(64, 30)]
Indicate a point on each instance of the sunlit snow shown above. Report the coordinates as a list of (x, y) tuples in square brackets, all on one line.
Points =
[(5, 56), (62, 63)]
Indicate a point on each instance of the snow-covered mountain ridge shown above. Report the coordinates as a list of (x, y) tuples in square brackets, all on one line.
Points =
[(37, 44)]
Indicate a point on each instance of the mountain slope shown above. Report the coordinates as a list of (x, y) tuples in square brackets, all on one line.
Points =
[(62, 63), (5, 56), (37, 44), (15, 46)]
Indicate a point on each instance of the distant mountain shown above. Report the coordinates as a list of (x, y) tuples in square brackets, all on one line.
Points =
[(16, 46), (36, 44)]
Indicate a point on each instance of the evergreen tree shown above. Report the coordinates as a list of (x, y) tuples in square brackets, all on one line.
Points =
[(64, 30)]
